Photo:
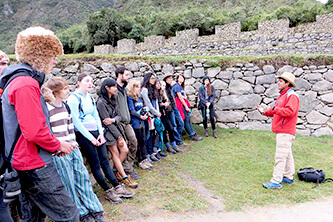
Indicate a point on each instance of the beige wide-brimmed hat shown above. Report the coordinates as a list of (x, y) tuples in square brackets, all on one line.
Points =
[(289, 77)]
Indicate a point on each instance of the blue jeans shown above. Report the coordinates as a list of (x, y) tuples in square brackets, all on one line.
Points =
[(177, 125), (4, 212), (43, 193), (188, 125)]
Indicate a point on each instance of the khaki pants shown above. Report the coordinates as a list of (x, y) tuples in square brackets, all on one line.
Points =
[(128, 163), (284, 160)]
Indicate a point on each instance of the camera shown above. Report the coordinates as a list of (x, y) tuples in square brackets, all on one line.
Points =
[(145, 110)]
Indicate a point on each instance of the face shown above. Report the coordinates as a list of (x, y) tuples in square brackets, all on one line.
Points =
[(158, 85), (163, 85), (52, 64), (137, 89), (125, 77), (169, 80), (282, 84), (63, 94), (206, 82), (180, 79), (86, 84), (3, 65), (112, 90), (152, 80)]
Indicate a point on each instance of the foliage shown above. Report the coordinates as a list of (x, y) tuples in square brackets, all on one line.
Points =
[(74, 39)]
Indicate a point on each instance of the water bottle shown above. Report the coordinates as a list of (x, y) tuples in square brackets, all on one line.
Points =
[(207, 113)]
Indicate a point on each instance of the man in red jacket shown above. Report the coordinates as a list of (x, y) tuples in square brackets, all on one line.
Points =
[(284, 113)]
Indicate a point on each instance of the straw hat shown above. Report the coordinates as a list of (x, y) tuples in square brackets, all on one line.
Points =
[(289, 77)]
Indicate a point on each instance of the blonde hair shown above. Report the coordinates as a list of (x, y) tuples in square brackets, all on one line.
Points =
[(130, 89), (53, 86), (47, 94)]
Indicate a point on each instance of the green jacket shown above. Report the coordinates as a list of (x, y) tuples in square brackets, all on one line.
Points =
[(122, 105)]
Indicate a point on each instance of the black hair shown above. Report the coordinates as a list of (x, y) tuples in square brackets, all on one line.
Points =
[(120, 70), (104, 93), (152, 91), (290, 85)]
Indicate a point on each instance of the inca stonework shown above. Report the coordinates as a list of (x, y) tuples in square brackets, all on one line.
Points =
[(239, 90)]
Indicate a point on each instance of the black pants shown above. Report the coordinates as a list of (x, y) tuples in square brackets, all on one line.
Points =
[(211, 116), (141, 151), (168, 130), (97, 157)]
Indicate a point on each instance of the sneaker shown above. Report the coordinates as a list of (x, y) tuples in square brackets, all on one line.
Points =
[(154, 158), (171, 150), (288, 181), (159, 156), (155, 149), (148, 163), (195, 137), (118, 176), (182, 144), (134, 175), (121, 191), (176, 148), (87, 218), (271, 185), (162, 153), (98, 216), (128, 181), (112, 196), (215, 133), (206, 132), (143, 165)]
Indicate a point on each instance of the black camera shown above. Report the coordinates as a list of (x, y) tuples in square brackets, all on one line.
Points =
[(144, 111)]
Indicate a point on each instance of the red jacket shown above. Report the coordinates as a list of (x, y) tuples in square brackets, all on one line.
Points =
[(285, 112)]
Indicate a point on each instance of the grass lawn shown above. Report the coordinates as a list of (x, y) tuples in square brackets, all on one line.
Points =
[(233, 167)]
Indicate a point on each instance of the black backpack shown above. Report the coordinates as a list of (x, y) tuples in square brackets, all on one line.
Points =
[(309, 174)]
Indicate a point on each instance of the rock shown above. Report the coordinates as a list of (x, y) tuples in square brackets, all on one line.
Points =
[(72, 68), (250, 79), (156, 67), (328, 98), (142, 64), (259, 89), (240, 87), (328, 111), (197, 65), (90, 68), (308, 103), (305, 132), (267, 100), (268, 69), (314, 76), (323, 132), (237, 75), (198, 72), (286, 68), (315, 117), (302, 84), (107, 67), (224, 75), (322, 86), (298, 72), (258, 73), (329, 75), (230, 116), (196, 116), (238, 102), (255, 115), (248, 73), (202, 60), (132, 66), (167, 69), (187, 73), (212, 72), (190, 81), (266, 79), (219, 85), (197, 85), (254, 126), (272, 92), (193, 61), (55, 71)]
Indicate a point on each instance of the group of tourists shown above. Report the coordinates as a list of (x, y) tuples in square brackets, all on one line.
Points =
[(138, 123)]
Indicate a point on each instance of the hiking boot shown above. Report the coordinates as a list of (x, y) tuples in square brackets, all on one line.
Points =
[(162, 153), (87, 218), (134, 175), (98, 216), (288, 181), (112, 196), (271, 185), (176, 148), (171, 150), (214, 133), (128, 181), (121, 191), (118, 176), (206, 132), (195, 137), (143, 165), (154, 158), (159, 156)]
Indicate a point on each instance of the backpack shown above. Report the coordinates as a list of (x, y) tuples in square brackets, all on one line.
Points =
[(80, 104), (311, 175)]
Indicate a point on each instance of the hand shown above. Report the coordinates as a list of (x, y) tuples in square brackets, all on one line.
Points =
[(159, 115), (207, 105), (187, 109), (166, 104), (108, 121), (95, 142), (120, 142), (267, 109), (101, 139), (66, 147), (144, 117)]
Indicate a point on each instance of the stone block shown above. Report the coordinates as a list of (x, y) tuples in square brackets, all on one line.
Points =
[(272, 92), (90, 68), (254, 126), (329, 75), (107, 67), (266, 79), (302, 84), (255, 115), (219, 85), (240, 87), (324, 131), (274, 27), (322, 85), (132, 66), (315, 117), (186, 37), (268, 69), (230, 116), (153, 42), (328, 98), (212, 72), (228, 31), (238, 102), (125, 45), (198, 72)]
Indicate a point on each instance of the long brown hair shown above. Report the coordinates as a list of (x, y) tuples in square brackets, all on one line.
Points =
[(183, 84), (130, 89)]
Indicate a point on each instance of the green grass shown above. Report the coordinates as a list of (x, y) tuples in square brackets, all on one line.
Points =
[(232, 167)]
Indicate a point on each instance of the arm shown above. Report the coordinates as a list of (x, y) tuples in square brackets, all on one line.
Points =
[(202, 98), (73, 103), (181, 98), (98, 120), (147, 102), (212, 98)]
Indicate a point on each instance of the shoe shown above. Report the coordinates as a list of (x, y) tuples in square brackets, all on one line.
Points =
[(87, 218), (121, 191), (182, 144), (271, 185), (287, 181), (159, 156), (215, 133), (143, 164), (171, 150), (118, 176), (155, 150), (176, 148), (206, 132), (98, 216), (195, 137), (154, 158), (162, 153), (148, 163), (134, 175), (128, 181), (112, 196)]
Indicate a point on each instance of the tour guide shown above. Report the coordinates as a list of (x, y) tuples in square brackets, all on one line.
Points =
[(284, 113)]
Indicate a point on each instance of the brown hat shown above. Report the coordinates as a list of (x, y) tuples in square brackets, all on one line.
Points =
[(288, 76), (37, 47)]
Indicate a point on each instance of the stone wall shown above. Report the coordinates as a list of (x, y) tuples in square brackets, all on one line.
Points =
[(229, 37), (239, 90)]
